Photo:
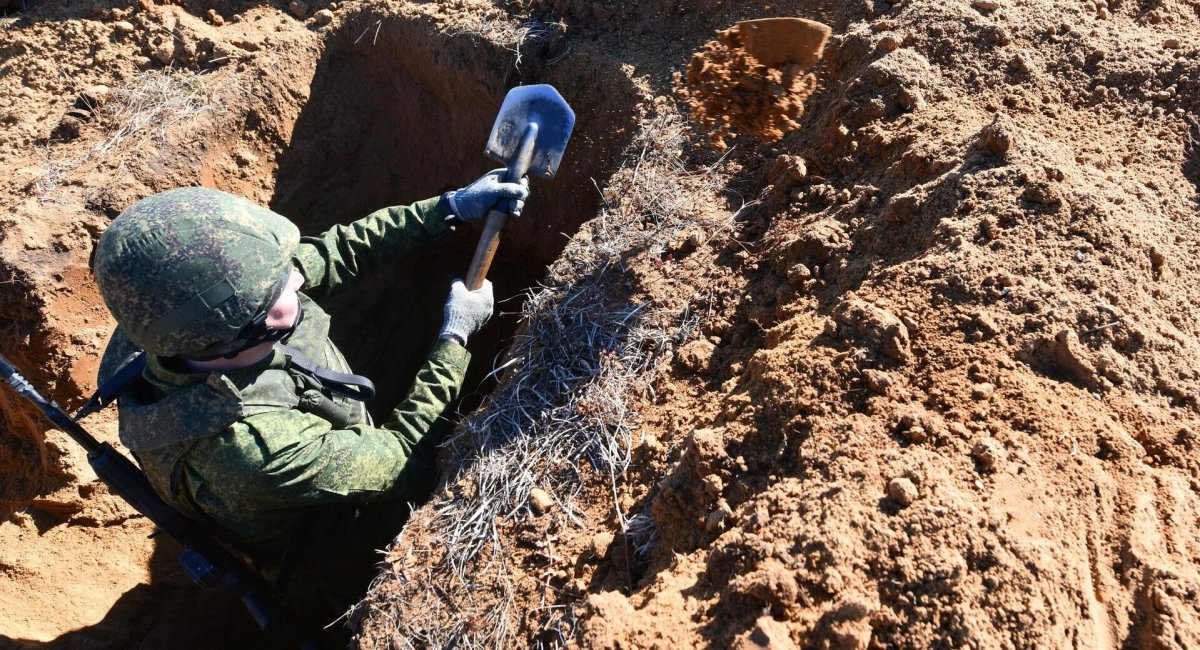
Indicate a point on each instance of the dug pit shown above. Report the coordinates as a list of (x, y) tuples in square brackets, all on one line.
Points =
[(405, 119), (327, 126)]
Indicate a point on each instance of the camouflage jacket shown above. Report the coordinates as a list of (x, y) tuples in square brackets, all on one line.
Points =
[(250, 451)]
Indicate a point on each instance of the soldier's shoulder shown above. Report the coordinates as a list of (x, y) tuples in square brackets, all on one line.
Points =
[(118, 352)]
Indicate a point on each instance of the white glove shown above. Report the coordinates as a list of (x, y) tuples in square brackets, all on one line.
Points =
[(466, 310), (472, 202)]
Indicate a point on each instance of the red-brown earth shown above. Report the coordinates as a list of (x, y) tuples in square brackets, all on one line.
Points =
[(928, 364)]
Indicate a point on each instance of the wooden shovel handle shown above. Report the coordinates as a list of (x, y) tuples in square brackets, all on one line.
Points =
[(489, 241)]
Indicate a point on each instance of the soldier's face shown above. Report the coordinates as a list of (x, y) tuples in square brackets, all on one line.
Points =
[(282, 314)]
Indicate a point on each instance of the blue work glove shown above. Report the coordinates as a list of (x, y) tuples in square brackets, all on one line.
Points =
[(467, 311), (473, 201)]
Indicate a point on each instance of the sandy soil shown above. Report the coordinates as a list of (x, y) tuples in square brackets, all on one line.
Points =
[(941, 384)]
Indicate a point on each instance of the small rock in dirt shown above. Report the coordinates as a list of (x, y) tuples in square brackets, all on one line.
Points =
[(81, 114), (772, 583), (94, 97), (902, 491), (997, 137), (1171, 43), (901, 207), (695, 356), (888, 43), (986, 5), (798, 274), (982, 391), (878, 380), (912, 428), (123, 26), (984, 322), (704, 449), (21, 518), (915, 434), (990, 453), (299, 9), (850, 622), (540, 501), (768, 634), (716, 518), (788, 169), (910, 99), (324, 17), (600, 543), (164, 52), (1042, 193), (215, 18), (878, 327), (713, 485)]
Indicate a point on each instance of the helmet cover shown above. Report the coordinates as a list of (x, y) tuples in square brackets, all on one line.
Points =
[(183, 271)]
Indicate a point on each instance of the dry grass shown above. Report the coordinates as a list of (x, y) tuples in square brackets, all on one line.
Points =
[(1191, 145), (53, 171), (502, 31), (566, 413), (146, 112), (152, 106)]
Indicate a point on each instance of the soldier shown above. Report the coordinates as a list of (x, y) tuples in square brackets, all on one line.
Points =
[(247, 417)]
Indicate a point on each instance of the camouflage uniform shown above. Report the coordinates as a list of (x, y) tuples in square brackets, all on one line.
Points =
[(250, 452)]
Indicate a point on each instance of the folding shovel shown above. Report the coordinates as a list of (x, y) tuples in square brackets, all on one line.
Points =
[(529, 137)]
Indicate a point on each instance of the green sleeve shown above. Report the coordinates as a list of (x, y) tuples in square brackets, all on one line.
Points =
[(287, 459), (339, 255)]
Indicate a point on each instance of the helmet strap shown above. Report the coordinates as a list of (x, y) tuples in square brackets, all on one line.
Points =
[(255, 333)]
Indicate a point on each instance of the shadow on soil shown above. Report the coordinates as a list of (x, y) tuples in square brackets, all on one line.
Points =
[(406, 118)]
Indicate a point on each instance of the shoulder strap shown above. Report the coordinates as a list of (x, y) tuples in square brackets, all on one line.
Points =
[(112, 389), (355, 387)]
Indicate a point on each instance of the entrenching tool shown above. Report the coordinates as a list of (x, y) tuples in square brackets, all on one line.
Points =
[(529, 137), (780, 41)]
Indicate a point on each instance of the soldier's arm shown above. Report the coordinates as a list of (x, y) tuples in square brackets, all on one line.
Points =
[(292, 458), (341, 254)]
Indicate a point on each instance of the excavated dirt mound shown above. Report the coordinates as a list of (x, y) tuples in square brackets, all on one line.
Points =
[(753, 81), (921, 372)]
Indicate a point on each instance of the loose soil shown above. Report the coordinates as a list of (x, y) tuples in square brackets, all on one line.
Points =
[(941, 384)]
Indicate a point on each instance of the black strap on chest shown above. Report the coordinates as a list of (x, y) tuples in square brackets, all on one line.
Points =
[(355, 387)]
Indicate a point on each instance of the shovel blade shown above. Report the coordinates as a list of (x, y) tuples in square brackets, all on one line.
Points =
[(524, 105)]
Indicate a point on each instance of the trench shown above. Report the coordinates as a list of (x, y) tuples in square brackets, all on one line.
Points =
[(406, 118), (390, 122)]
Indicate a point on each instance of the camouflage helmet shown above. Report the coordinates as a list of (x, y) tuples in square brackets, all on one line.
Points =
[(184, 271)]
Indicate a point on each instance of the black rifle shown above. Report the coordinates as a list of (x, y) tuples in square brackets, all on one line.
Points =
[(203, 557)]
